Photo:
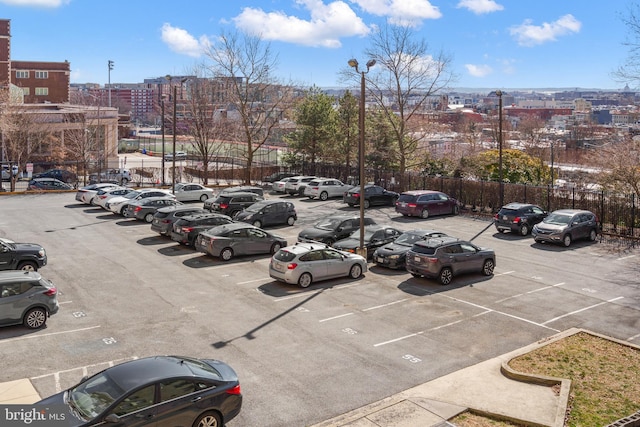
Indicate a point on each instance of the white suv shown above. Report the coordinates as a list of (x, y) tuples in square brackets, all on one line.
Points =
[(118, 176), (323, 188)]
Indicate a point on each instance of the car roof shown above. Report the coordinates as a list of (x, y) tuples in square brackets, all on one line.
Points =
[(238, 194), (203, 215), (420, 192), (435, 242), (177, 208), (13, 275), (304, 247), (571, 211), (516, 205), (230, 227)]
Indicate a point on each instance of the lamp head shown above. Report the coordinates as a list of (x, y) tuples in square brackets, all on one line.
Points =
[(371, 63), (353, 63), (498, 93)]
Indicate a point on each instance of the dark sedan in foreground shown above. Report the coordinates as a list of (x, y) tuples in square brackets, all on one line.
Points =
[(238, 238), (374, 237), (394, 255), (160, 390)]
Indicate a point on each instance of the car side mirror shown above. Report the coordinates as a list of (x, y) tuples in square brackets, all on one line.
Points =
[(112, 418)]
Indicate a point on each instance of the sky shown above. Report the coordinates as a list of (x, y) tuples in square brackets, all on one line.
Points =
[(494, 43)]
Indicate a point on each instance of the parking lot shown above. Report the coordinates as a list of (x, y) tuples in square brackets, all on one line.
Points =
[(302, 355)]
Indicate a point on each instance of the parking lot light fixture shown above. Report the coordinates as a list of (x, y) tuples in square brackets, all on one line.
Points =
[(500, 173)]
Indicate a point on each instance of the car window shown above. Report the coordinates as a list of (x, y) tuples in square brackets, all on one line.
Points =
[(13, 289), (136, 401), (256, 234), (176, 388), (537, 210), (468, 248), (238, 233), (331, 254), (452, 249), (312, 256)]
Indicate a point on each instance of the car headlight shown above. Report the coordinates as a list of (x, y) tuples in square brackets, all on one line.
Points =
[(394, 256), (41, 253)]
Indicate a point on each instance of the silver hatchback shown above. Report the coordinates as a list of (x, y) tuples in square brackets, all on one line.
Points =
[(26, 298)]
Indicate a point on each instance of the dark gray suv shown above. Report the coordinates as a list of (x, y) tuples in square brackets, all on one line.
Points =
[(566, 225), (26, 298), (231, 203), (445, 257), (269, 212)]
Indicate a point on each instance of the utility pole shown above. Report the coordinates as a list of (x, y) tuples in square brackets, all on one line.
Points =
[(110, 65)]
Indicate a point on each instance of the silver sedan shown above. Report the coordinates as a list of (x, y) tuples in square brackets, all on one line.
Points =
[(191, 192)]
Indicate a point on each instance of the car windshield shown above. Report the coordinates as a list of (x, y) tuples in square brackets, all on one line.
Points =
[(90, 398), (408, 239), (557, 219), (254, 208), (131, 195), (329, 224), (284, 255)]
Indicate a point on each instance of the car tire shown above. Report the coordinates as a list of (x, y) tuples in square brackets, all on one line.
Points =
[(355, 271), (203, 197), (291, 220), (275, 248), (124, 181), (424, 214), (487, 267), (455, 210), (593, 235), (226, 254), (148, 217), (367, 204), (305, 280), (257, 223), (324, 196), (28, 266), (35, 318), (208, 419), (566, 240), (501, 230), (350, 205), (416, 275), (524, 230), (329, 242), (122, 209), (446, 276), (538, 241)]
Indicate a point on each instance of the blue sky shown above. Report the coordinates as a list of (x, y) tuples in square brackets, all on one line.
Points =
[(494, 43)]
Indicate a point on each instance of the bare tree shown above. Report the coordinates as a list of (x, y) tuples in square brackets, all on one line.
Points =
[(629, 71), (402, 82), (618, 163), (244, 65)]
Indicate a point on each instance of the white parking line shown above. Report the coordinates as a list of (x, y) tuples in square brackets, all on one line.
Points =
[(305, 295), (582, 309), (335, 317), (253, 281), (633, 337), (530, 292), (385, 305), (625, 257), (48, 335)]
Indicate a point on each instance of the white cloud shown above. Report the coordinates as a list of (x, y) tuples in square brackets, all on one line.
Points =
[(181, 41), (401, 12), (36, 3), (528, 34), (327, 24), (480, 6), (481, 70)]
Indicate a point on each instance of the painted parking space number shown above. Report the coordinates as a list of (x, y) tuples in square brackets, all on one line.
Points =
[(411, 358), (349, 331), (109, 340)]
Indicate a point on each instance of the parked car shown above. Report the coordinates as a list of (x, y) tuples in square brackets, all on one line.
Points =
[(277, 176), (180, 155), (103, 195), (88, 192), (231, 203), (37, 184), (565, 226), (279, 186), (374, 237), (6, 175), (164, 218), (59, 174), (238, 238), (243, 189), (144, 209), (170, 390), (393, 255), (333, 228), (117, 176), (186, 229), (21, 256), (374, 195), (192, 192), (324, 188), (305, 263), (518, 218), (445, 257), (26, 298), (426, 203), (269, 212), (295, 185), (118, 204)]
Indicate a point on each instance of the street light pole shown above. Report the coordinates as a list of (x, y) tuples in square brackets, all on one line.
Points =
[(499, 94), (173, 158), (163, 153), (110, 65), (361, 147)]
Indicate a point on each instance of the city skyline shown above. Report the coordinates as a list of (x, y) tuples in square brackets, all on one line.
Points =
[(506, 44)]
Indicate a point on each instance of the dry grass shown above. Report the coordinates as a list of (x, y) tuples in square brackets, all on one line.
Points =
[(605, 380)]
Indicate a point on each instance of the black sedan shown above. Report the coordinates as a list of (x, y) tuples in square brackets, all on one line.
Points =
[(144, 209), (374, 237), (374, 195), (167, 390), (394, 255)]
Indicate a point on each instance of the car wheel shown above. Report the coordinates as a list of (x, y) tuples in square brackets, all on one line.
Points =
[(424, 214), (416, 275), (524, 229), (566, 240), (324, 196), (122, 209), (538, 241), (593, 235), (203, 197), (124, 181), (226, 254), (446, 276), (275, 248), (328, 242), (487, 267), (367, 204), (501, 230), (350, 205), (356, 271), (257, 223), (35, 318), (291, 220), (305, 280), (28, 266), (148, 217), (455, 210), (208, 419)]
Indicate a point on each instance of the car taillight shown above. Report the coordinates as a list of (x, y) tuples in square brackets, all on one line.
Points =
[(291, 266), (356, 194), (412, 205), (223, 206), (314, 188), (234, 390), (496, 217), (187, 229), (137, 209), (433, 260), (166, 221), (517, 220), (51, 292)]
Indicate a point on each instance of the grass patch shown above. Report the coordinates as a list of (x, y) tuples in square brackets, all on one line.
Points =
[(605, 379)]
